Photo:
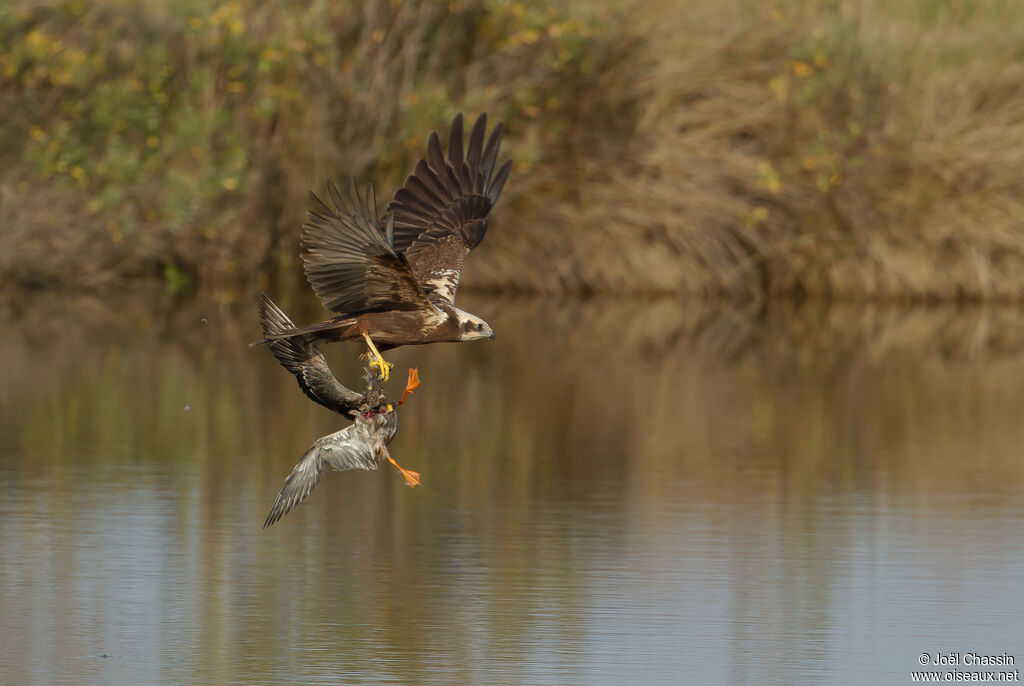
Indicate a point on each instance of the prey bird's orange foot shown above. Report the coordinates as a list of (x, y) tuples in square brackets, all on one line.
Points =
[(412, 384), (411, 478)]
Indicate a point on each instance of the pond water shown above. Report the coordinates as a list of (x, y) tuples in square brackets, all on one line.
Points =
[(613, 493)]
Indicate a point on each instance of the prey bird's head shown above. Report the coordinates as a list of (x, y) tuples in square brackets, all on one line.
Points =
[(472, 327)]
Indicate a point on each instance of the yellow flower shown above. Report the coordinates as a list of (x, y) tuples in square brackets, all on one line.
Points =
[(529, 36), (801, 69), (36, 133), (229, 184), (78, 173)]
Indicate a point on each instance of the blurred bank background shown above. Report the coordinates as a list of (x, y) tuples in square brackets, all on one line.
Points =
[(847, 148)]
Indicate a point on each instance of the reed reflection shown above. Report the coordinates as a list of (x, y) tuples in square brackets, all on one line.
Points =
[(601, 483)]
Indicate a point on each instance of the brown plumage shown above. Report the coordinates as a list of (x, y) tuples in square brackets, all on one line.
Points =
[(395, 280), (440, 212)]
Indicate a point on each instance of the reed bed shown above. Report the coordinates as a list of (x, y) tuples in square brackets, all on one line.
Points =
[(845, 149)]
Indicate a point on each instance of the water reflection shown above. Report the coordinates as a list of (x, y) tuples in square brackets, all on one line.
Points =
[(613, 493)]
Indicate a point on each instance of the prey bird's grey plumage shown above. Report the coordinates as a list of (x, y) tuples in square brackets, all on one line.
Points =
[(361, 445)]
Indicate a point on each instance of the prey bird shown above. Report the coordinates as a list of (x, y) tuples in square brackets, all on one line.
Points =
[(392, 280), (361, 445)]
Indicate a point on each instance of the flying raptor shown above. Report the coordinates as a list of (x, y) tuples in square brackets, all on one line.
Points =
[(392, 280), (361, 445)]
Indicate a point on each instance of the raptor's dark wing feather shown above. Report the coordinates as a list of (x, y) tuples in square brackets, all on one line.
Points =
[(440, 213), (349, 260), (306, 362)]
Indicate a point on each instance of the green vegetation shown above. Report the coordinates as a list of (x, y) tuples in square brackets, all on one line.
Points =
[(740, 148)]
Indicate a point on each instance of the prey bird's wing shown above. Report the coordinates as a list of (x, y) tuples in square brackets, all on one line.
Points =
[(305, 361), (357, 446), (440, 213), (349, 260)]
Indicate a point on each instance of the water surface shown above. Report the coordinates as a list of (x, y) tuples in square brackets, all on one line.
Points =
[(612, 494)]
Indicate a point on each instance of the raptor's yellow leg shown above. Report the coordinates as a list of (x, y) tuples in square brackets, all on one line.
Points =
[(384, 367), (412, 478)]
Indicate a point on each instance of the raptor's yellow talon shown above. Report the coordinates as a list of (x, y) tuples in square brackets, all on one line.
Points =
[(378, 361), (384, 368)]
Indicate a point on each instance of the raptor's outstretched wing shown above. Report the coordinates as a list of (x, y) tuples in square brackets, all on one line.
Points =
[(306, 362), (440, 213), (349, 260)]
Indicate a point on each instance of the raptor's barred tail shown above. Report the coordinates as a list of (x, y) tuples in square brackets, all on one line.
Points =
[(280, 332)]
